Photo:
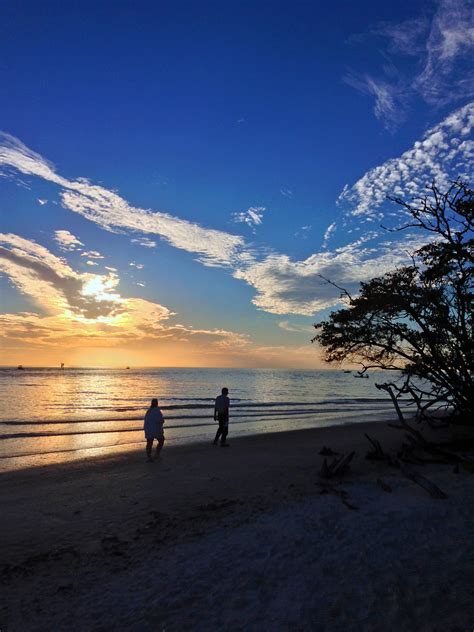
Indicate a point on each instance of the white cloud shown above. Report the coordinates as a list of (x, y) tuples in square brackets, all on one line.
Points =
[(138, 266), (42, 202), (282, 285), (286, 192), (67, 241), (327, 235), (296, 287), (92, 254), (145, 242), (300, 329), (253, 216), (107, 209), (92, 263), (445, 152)]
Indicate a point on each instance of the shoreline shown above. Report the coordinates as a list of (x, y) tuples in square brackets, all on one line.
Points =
[(202, 432), (118, 541)]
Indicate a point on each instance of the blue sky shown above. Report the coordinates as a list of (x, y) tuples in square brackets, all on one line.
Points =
[(177, 176)]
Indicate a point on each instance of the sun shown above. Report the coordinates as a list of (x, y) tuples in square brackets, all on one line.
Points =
[(100, 287)]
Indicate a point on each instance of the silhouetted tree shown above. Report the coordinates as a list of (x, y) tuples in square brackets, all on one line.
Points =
[(418, 318)]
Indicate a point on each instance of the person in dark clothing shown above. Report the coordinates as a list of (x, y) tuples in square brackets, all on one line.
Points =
[(221, 414)]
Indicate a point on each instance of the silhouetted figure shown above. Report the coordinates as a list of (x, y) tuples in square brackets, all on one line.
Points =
[(154, 428), (221, 414)]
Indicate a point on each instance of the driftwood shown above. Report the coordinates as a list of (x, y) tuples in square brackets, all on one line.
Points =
[(377, 453), (416, 441), (337, 467), (433, 490)]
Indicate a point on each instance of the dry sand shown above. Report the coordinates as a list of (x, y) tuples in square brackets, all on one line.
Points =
[(237, 539)]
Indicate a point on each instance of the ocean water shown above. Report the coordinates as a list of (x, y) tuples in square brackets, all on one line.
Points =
[(52, 415)]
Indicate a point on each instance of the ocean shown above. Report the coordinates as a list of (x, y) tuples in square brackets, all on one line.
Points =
[(52, 415)]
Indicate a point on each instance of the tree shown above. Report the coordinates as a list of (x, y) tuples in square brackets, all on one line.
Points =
[(418, 319)]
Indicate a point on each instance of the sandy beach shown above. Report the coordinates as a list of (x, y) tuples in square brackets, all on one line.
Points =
[(245, 538)]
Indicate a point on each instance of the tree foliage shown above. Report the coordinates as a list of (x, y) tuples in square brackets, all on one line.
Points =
[(418, 318)]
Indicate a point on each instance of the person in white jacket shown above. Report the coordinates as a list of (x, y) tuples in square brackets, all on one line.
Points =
[(153, 427)]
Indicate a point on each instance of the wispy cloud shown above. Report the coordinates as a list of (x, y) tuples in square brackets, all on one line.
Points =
[(253, 216), (67, 241), (145, 242), (304, 231), (92, 254), (450, 41), (42, 202), (288, 193), (407, 37), (388, 106), (296, 329), (443, 42), (137, 266), (327, 235), (107, 209)]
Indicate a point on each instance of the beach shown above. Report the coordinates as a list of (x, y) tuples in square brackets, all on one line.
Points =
[(244, 538)]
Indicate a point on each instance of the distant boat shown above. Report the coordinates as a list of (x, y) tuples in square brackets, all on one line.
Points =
[(20, 367), (127, 367), (347, 371), (62, 365), (361, 376)]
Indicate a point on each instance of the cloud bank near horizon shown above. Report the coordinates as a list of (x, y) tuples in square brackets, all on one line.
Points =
[(85, 306)]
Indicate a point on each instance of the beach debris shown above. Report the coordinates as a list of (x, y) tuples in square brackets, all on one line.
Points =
[(377, 453), (328, 452), (433, 490), (337, 467), (385, 486)]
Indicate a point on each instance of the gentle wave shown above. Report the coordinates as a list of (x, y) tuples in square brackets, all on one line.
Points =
[(250, 413), (254, 418), (248, 405)]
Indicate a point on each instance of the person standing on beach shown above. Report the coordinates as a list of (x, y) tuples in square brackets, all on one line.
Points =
[(221, 414), (153, 427)]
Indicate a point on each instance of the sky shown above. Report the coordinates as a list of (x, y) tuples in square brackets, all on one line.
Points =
[(179, 179)]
